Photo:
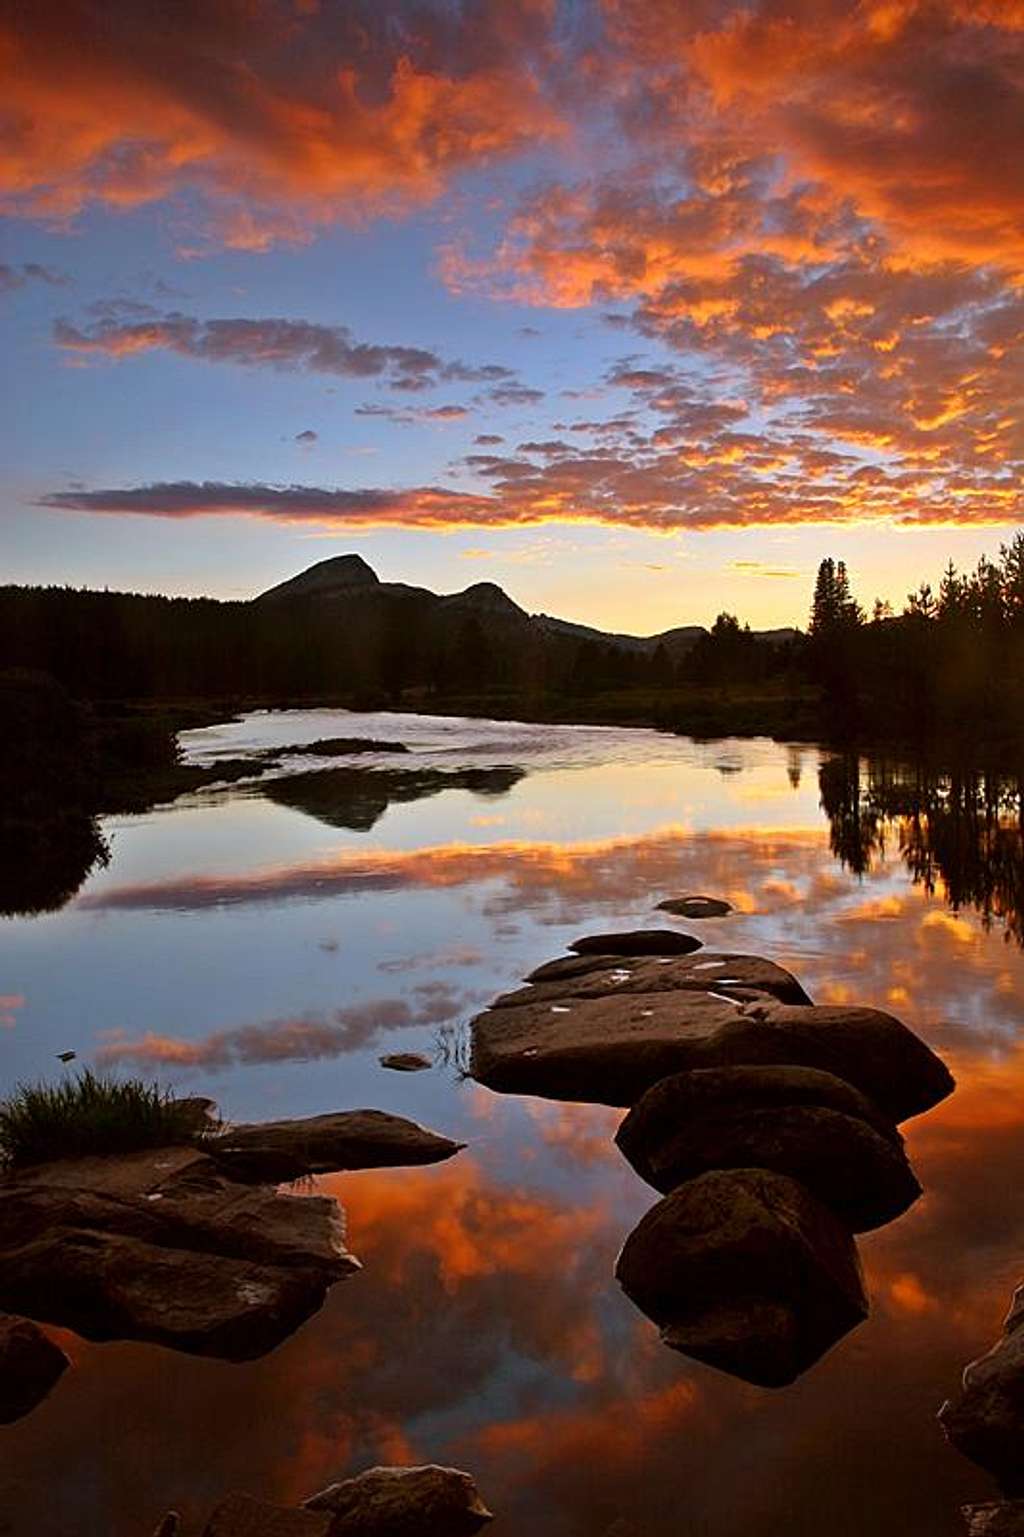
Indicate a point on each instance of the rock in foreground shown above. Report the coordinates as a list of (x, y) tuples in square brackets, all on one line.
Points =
[(30, 1366), (796, 1121), (406, 1062), (404, 1502), (162, 1246), (637, 942), (986, 1421), (324, 1144), (745, 1271), (610, 1050)]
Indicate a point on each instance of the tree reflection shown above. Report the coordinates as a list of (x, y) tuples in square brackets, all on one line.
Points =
[(960, 833)]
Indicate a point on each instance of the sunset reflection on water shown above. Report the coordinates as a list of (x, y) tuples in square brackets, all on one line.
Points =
[(242, 949)]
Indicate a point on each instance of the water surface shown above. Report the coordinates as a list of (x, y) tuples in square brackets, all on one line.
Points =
[(267, 956)]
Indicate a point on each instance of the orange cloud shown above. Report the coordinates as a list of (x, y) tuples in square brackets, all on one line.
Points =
[(282, 116)]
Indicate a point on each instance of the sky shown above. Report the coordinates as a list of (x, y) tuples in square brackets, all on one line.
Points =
[(638, 308)]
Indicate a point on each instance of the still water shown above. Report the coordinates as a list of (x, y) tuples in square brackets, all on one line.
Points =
[(266, 946)]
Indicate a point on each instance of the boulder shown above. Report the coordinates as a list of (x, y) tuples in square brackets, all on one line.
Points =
[(610, 1050), (695, 907), (797, 1121), (1002, 1518), (30, 1366), (322, 1144), (406, 1062), (161, 1245), (107, 1287), (741, 978), (986, 1420), (242, 1516), (745, 1271), (637, 942), (404, 1502)]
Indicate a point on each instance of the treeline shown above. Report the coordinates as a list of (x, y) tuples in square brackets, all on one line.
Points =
[(950, 666)]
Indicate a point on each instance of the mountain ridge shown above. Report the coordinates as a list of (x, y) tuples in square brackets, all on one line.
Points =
[(349, 577)]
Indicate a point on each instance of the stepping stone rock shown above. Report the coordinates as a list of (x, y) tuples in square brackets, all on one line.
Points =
[(742, 978), (610, 1050), (986, 1421), (30, 1366), (695, 907), (744, 1270), (349, 1139), (404, 1502), (406, 1062), (796, 1121), (637, 942), (1003, 1518)]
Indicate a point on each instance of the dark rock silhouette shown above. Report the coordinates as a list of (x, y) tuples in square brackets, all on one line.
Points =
[(795, 1121), (30, 1366), (986, 1420), (745, 1271), (637, 942), (695, 907)]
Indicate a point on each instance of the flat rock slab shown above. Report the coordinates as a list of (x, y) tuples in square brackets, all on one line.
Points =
[(637, 942), (324, 1144), (986, 1421), (163, 1246), (745, 1271), (427, 1501), (741, 978), (695, 907), (406, 1062), (1000, 1518), (242, 1516), (30, 1366), (796, 1121), (610, 1050)]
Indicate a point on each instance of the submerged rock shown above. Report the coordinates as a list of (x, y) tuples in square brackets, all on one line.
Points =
[(30, 1366), (745, 1271), (695, 907), (323, 1144), (1002, 1518), (796, 1121), (637, 942), (609, 1050), (986, 1420), (406, 1062), (741, 978), (242, 1516), (163, 1246), (404, 1502)]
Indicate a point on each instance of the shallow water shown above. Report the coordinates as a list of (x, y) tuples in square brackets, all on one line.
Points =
[(246, 949)]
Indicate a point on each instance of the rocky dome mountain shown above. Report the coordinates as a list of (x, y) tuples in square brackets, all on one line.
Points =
[(349, 584)]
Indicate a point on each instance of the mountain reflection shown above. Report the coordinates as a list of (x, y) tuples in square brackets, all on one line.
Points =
[(960, 834)]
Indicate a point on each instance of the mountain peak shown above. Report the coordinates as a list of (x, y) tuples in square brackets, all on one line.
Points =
[(339, 573), (485, 597)]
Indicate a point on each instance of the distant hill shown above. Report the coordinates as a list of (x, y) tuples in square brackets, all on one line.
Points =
[(347, 581)]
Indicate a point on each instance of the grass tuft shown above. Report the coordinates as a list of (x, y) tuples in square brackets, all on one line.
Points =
[(91, 1115)]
